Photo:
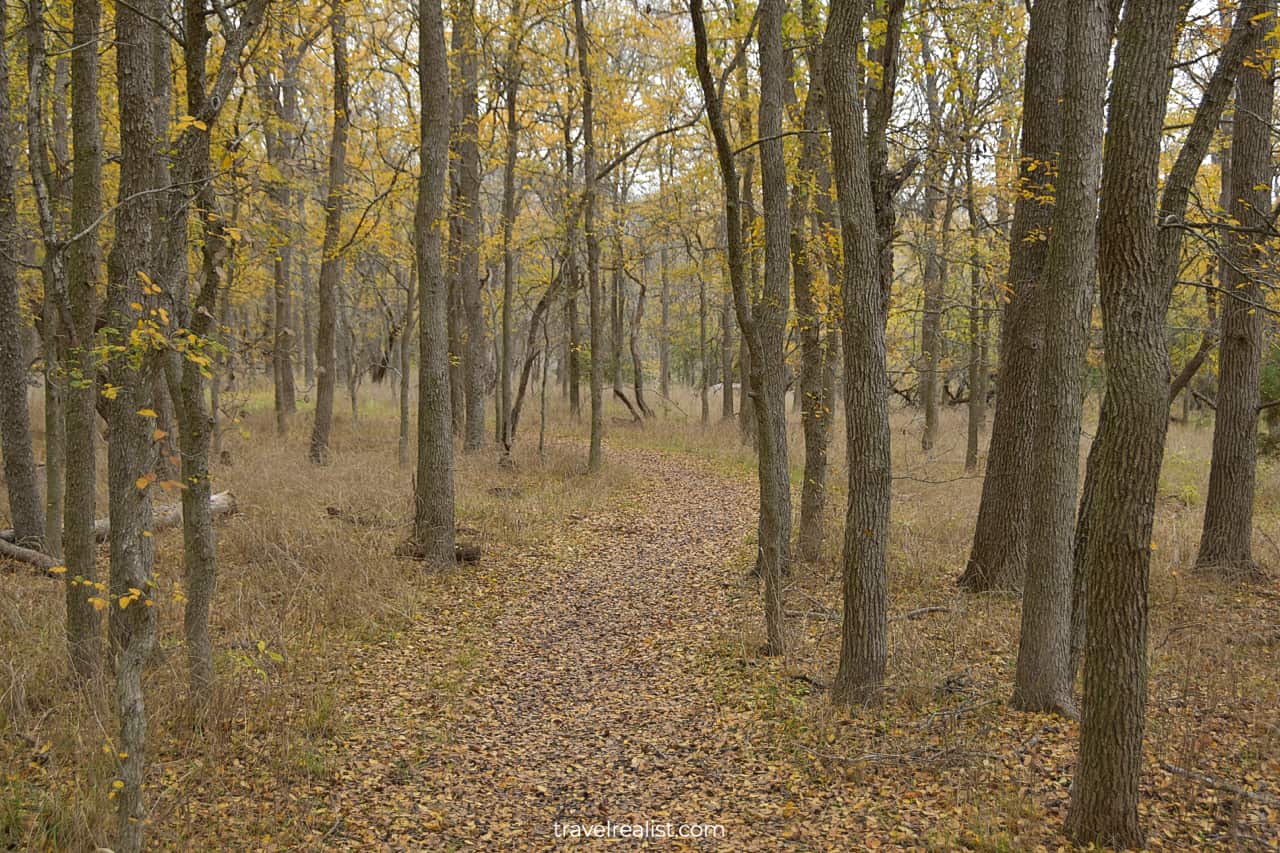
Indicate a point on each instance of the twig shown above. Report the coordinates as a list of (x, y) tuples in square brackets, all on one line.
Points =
[(917, 613), (1217, 784), (837, 617)]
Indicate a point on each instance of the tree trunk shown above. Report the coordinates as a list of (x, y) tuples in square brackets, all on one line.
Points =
[(406, 361), (84, 632), (433, 518), (279, 97), (595, 458), (726, 356), (977, 325), (575, 340), (1226, 538), (934, 275), (762, 324), (130, 455), (999, 554), (637, 366), (1044, 678), (511, 89), (465, 225), (815, 408), (664, 329), (703, 365), (750, 393), (15, 418), (768, 327), (331, 264), (863, 634), (1138, 264), (49, 202), (304, 293)]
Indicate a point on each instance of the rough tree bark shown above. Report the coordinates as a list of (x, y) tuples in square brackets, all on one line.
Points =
[(762, 324), (1226, 538), (633, 344), (726, 355), (47, 190), (977, 408), (84, 262), (279, 97), (815, 407), (406, 358), (465, 224), (15, 418), (331, 263), (1138, 263), (1044, 678), (999, 554), (187, 376), (130, 453), (863, 634), (595, 457), (511, 73), (433, 517)]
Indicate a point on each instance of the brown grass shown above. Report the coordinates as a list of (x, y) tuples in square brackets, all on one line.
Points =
[(301, 594)]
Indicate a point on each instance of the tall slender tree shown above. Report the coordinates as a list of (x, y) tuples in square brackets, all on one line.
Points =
[(760, 324), (1044, 677), (464, 221), (433, 524), (15, 417), (84, 264), (863, 645), (595, 455), (332, 262), (1226, 538), (1139, 248), (131, 453), (999, 554)]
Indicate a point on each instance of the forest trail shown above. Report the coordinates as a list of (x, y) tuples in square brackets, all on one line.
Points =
[(590, 700)]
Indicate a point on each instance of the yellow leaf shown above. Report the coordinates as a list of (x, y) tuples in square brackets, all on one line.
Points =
[(117, 784), (57, 570), (98, 603), (145, 480), (125, 600), (159, 434), (146, 279), (147, 413)]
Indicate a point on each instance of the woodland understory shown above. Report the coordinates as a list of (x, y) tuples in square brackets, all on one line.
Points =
[(362, 704), (488, 424)]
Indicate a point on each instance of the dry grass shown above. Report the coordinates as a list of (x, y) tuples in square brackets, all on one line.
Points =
[(945, 738), (301, 594)]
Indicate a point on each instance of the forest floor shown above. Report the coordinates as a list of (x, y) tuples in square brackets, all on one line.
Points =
[(601, 664)]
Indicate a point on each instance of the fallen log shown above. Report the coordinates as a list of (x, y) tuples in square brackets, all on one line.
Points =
[(164, 517), (39, 559)]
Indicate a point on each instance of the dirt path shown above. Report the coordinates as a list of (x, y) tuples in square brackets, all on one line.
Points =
[(581, 697)]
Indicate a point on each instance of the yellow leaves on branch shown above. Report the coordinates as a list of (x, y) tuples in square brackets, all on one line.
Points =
[(185, 122)]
